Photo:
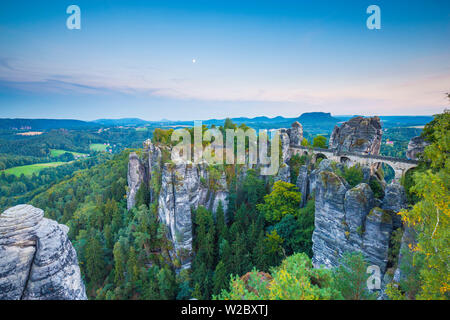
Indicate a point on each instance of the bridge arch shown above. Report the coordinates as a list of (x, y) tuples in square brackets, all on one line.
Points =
[(319, 156), (385, 170), (346, 161)]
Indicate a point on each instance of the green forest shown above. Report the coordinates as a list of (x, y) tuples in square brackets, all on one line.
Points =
[(259, 248)]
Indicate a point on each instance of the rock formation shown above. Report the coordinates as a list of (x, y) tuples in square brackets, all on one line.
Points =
[(348, 220), (303, 184), (295, 134), (37, 260), (136, 175), (185, 187), (394, 200), (362, 135), (415, 147)]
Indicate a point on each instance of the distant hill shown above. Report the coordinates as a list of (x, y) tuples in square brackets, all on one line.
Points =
[(44, 124), (317, 117), (397, 121), (122, 122)]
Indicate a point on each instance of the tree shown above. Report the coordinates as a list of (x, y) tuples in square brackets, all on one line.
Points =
[(167, 284), (142, 195), (353, 175), (132, 265), (431, 215), (95, 260), (119, 263), (350, 278), (220, 278), (294, 279), (320, 142), (274, 247), (305, 142), (283, 200), (220, 223)]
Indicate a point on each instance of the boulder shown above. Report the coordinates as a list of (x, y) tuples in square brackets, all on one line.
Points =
[(37, 259)]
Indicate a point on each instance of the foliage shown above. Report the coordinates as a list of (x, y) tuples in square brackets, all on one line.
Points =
[(283, 200), (350, 278), (376, 187), (295, 163), (320, 142), (353, 175), (294, 279), (431, 214)]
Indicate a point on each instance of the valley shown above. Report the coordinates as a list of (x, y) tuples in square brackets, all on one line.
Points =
[(145, 228)]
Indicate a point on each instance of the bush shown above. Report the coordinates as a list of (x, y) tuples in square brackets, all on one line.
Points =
[(353, 175)]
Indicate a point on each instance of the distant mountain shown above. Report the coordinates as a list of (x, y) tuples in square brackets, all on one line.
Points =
[(44, 124), (321, 117), (397, 121), (122, 122)]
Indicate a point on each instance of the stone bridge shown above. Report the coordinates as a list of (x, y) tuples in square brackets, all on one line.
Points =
[(399, 165)]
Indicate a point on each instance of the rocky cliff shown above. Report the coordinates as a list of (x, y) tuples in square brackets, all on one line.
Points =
[(185, 187), (415, 147), (177, 188), (357, 135), (37, 260), (135, 177), (350, 219)]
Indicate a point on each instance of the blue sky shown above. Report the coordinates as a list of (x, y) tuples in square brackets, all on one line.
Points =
[(135, 59)]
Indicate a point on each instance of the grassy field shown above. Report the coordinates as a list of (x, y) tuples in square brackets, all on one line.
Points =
[(58, 152), (98, 147), (142, 129), (32, 168)]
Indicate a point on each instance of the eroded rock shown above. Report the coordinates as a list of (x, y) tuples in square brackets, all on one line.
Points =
[(37, 259), (362, 135)]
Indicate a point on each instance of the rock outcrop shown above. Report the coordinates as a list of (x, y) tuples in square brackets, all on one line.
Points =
[(135, 177), (394, 201), (295, 134), (415, 147), (303, 184), (185, 187), (348, 220), (37, 259), (361, 135), (182, 187)]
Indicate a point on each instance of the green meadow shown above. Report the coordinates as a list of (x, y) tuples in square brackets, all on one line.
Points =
[(98, 147), (58, 152), (32, 168)]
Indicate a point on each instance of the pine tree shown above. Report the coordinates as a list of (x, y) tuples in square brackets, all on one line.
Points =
[(220, 278), (119, 263), (95, 260)]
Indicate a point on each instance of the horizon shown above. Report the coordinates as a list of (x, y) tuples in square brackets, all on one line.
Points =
[(218, 119), (213, 59)]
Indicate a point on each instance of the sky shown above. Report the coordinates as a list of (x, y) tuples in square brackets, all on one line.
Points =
[(186, 60)]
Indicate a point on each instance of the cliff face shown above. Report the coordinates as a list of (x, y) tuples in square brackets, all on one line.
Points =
[(348, 220), (185, 187), (295, 134), (357, 135), (37, 260), (415, 147), (135, 177)]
